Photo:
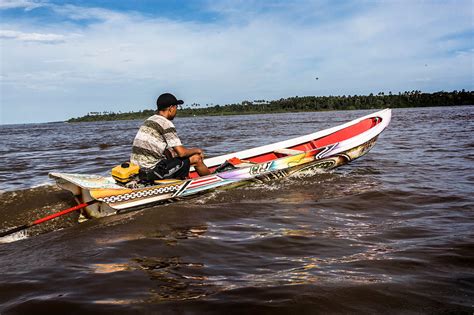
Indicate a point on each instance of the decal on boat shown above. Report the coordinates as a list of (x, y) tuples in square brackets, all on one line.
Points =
[(260, 168), (274, 175), (326, 151), (183, 188), (139, 194), (204, 181)]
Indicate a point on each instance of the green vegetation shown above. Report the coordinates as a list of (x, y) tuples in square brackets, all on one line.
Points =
[(306, 103)]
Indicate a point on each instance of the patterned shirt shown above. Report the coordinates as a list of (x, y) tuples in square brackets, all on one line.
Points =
[(155, 136)]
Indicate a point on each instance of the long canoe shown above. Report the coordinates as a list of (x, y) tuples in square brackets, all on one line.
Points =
[(322, 150)]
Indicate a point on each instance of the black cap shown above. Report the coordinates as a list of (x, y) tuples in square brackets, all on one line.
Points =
[(166, 100)]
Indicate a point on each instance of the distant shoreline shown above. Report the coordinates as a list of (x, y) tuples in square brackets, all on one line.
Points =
[(304, 104)]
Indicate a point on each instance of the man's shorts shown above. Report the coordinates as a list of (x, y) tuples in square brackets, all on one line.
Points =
[(169, 168)]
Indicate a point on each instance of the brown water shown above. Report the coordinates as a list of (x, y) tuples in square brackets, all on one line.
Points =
[(393, 232)]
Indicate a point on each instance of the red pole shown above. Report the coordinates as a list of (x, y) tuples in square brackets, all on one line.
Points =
[(60, 213), (47, 218)]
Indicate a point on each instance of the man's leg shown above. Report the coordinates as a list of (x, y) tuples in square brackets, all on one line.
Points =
[(201, 168)]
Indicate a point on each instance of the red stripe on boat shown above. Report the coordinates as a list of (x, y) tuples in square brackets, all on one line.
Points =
[(203, 182)]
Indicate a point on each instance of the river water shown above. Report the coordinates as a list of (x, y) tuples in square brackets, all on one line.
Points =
[(392, 232)]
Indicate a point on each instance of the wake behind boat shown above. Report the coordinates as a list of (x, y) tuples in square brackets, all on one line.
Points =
[(101, 196)]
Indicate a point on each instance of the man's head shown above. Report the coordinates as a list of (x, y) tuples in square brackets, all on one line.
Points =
[(167, 105)]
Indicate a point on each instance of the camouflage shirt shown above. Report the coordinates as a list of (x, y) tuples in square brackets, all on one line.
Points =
[(155, 136)]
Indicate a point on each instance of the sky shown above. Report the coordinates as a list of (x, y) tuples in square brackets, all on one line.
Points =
[(63, 59)]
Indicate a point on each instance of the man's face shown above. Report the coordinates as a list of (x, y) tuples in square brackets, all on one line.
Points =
[(173, 111)]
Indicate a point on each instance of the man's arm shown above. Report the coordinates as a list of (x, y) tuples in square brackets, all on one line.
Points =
[(184, 152)]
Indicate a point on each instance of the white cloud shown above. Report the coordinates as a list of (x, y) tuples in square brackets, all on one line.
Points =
[(84, 13), (23, 4), (31, 37), (122, 61)]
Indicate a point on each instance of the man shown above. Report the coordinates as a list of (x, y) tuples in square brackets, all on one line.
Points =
[(158, 150)]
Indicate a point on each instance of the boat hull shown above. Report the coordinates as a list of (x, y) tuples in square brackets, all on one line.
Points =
[(282, 159)]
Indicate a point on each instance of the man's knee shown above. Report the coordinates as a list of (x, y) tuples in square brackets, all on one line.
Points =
[(195, 159)]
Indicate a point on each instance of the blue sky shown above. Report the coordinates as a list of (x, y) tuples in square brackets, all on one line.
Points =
[(62, 59)]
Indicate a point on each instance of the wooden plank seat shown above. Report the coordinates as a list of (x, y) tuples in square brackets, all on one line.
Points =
[(287, 151), (244, 164), (238, 163)]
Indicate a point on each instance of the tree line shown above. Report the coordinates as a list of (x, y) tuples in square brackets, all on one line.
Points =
[(306, 103)]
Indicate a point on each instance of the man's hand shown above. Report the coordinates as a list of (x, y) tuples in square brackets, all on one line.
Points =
[(184, 152), (200, 152)]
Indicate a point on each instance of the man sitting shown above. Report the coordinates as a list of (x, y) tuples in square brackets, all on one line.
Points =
[(158, 150)]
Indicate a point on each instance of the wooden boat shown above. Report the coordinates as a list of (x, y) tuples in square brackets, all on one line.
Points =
[(325, 149)]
